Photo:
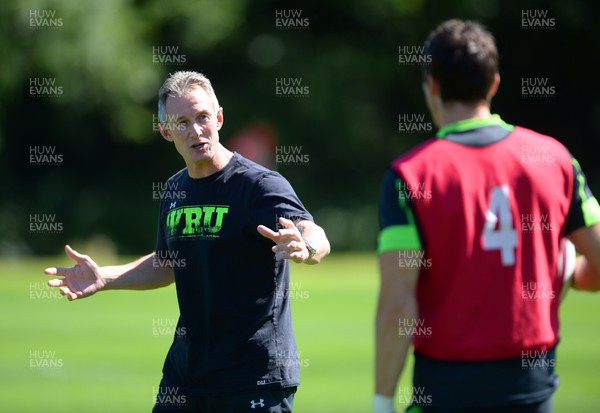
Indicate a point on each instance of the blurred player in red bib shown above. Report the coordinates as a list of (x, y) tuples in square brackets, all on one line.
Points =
[(471, 227)]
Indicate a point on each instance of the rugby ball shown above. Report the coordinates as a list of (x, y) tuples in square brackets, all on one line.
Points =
[(566, 265)]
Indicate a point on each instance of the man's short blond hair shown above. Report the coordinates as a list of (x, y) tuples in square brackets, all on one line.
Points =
[(179, 84)]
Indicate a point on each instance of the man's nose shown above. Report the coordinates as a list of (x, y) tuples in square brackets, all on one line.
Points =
[(197, 129)]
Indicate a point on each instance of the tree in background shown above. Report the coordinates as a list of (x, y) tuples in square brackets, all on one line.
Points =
[(334, 81)]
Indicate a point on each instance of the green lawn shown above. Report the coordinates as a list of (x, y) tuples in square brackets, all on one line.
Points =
[(105, 354)]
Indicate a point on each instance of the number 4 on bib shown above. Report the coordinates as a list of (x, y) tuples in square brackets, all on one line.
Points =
[(501, 237)]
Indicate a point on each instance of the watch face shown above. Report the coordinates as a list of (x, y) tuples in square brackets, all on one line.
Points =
[(311, 250)]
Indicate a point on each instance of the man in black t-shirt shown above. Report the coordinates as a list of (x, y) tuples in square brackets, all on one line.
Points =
[(234, 348)]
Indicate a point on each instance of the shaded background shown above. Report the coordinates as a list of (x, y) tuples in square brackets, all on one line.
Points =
[(103, 56)]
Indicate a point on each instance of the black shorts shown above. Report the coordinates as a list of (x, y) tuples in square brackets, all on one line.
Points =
[(266, 401), (539, 407)]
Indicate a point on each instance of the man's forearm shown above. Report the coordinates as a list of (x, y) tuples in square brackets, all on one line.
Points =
[(587, 270), (391, 348), (586, 277), (140, 274), (318, 239)]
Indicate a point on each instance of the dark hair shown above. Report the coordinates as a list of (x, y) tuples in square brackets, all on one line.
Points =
[(464, 60)]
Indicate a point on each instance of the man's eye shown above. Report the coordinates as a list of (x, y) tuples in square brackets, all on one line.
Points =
[(183, 122)]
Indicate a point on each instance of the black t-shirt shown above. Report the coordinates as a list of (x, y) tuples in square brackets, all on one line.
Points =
[(235, 328)]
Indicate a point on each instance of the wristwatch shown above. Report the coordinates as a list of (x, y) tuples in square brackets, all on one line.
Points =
[(311, 249)]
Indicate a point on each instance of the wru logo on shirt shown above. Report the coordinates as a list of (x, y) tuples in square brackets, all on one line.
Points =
[(201, 221)]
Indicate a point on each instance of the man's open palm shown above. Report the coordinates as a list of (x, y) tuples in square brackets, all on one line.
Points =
[(81, 280)]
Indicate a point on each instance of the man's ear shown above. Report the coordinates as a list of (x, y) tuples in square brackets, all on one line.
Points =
[(219, 118), (166, 133), (494, 86), (432, 85), (433, 98)]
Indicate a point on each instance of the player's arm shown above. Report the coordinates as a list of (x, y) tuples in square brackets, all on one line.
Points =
[(583, 229), (303, 241), (587, 268), (86, 277), (397, 293), (397, 301)]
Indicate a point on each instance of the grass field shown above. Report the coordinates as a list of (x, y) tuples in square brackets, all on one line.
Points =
[(105, 354)]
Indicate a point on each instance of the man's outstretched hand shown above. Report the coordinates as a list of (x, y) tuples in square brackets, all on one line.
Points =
[(289, 242), (81, 280)]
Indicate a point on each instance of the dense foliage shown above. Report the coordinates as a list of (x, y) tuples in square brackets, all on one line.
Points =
[(329, 81)]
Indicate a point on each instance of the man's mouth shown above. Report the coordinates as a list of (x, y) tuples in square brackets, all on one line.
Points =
[(198, 146)]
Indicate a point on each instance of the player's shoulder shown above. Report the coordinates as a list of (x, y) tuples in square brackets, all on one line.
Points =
[(531, 140), (532, 135)]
